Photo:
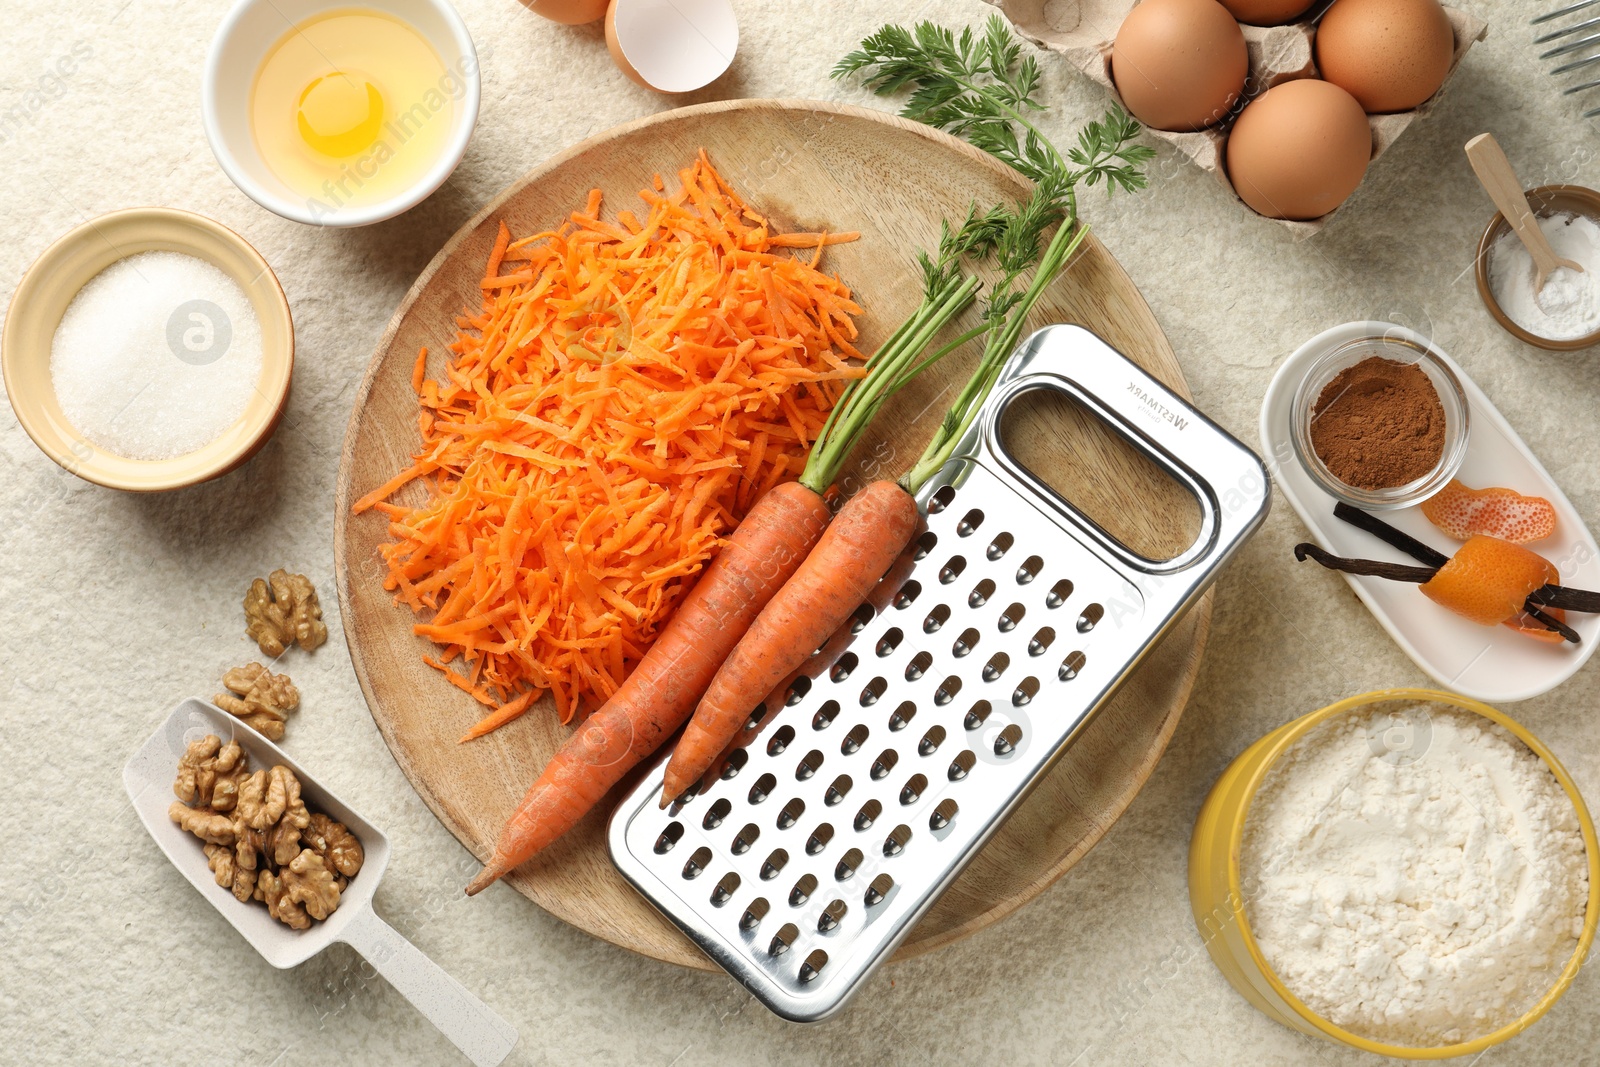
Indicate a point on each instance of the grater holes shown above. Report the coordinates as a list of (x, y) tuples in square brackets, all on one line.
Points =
[(1058, 594), (744, 839), (774, 864), (1090, 618), (1009, 739), (847, 866), (936, 618), (884, 764), (695, 865), (912, 791), (819, 838), (919, 665), (803, 888), (902, 716), (736, 761), (791, 813), (889, 641), (854, 739), (841, 669), (999, 546), (1071, 666), (873, 691), (812, 967), (763, 788), (1041, 641), (943, 815), (962, 765), (838, 791), (1010, 618), (965, 643), (908, 594), (808, 765), (754, 914), (941, 500), (897, 840), (863, 615), (980, 593), (753, 723), (931, 741), (780, 740), (969, 523), (996, 666), (783, 939), (716, 813), (828, 922), (1025, 691), (923, 545), (878, 890), (723, 891), (1029, 570), (952, 569), (797, 691), (825, 715), (977, 714), (669, 837), (947, 690), (868, 815), (683, 799)]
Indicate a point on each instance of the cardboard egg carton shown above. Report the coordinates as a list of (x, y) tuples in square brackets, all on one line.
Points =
[(1083, 31)]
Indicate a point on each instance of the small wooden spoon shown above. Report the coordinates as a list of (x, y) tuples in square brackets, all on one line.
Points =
[(1494, 172)]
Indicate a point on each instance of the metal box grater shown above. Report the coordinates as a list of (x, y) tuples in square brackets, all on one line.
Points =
[(803, 865)]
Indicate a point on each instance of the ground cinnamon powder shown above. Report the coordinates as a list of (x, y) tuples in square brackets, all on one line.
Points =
[(1378, 424)]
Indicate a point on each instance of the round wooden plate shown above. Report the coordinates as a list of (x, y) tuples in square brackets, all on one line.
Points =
[(810, 166)]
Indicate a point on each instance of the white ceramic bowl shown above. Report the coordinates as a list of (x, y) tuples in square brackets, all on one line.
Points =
[(249, 31)]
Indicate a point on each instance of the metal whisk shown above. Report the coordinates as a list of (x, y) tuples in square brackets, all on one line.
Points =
[(1579, 44)]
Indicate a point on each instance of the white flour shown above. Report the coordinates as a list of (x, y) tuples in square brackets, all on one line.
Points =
[(1569, 304), (1414, 875)]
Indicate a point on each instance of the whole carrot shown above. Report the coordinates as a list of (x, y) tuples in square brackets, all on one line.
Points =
[(764, 550), (871, 530)]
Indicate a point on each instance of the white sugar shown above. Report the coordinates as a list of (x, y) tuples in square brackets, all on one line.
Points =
[(156, 356)]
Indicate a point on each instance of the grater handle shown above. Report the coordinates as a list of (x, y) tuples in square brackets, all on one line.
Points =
[(1228, 480)]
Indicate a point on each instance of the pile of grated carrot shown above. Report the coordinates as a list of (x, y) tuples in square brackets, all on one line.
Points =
[(627, 391)]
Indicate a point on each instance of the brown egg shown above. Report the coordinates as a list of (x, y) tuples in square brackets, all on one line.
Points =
[(571, 12), (1267, 12), (1179, 64), (1389, 54), (1298, 150)]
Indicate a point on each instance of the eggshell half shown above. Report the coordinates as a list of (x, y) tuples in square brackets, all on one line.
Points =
[(672, 46), (1299, 149), (570, 12), (1179, 64), (1389, 54)]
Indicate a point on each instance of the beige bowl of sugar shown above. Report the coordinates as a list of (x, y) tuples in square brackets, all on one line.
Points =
[(1406, 872), (148, 349)]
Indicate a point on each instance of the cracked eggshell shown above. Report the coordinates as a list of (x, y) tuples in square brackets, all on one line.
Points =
[(672, 46), (569, 12)]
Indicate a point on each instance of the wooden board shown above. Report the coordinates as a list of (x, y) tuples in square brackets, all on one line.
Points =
[(810, 166)]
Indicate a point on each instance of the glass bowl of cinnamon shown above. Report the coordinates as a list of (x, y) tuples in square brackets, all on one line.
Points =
[(1380, 422)]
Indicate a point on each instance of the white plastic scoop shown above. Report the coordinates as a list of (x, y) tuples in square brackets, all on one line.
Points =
[(471, 1024)]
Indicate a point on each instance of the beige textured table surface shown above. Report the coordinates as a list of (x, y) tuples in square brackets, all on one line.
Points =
[(114, 607)]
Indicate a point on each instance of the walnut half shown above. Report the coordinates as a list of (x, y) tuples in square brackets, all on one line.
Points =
[(259, 697), (283, 611)]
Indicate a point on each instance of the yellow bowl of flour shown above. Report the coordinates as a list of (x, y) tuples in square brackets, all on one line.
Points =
[(1217, 895)]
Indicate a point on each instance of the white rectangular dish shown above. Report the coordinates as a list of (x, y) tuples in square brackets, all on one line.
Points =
[(1493, 664)]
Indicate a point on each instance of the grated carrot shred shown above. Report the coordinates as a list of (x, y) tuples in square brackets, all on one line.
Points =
[(627, 391)]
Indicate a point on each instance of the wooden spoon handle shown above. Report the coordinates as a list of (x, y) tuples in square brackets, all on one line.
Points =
[(1494, 171)]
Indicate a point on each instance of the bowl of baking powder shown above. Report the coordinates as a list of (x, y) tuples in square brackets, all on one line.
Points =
[(1405, 872)]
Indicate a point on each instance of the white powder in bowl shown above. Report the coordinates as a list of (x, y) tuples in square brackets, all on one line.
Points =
[(1568, 306), (156, 356), (1414, 874)]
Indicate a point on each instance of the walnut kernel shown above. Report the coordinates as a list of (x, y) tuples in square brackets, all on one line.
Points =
[(259, 697), (281, 611)]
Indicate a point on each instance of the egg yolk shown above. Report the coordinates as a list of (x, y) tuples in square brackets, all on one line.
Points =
[(340, 114)]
